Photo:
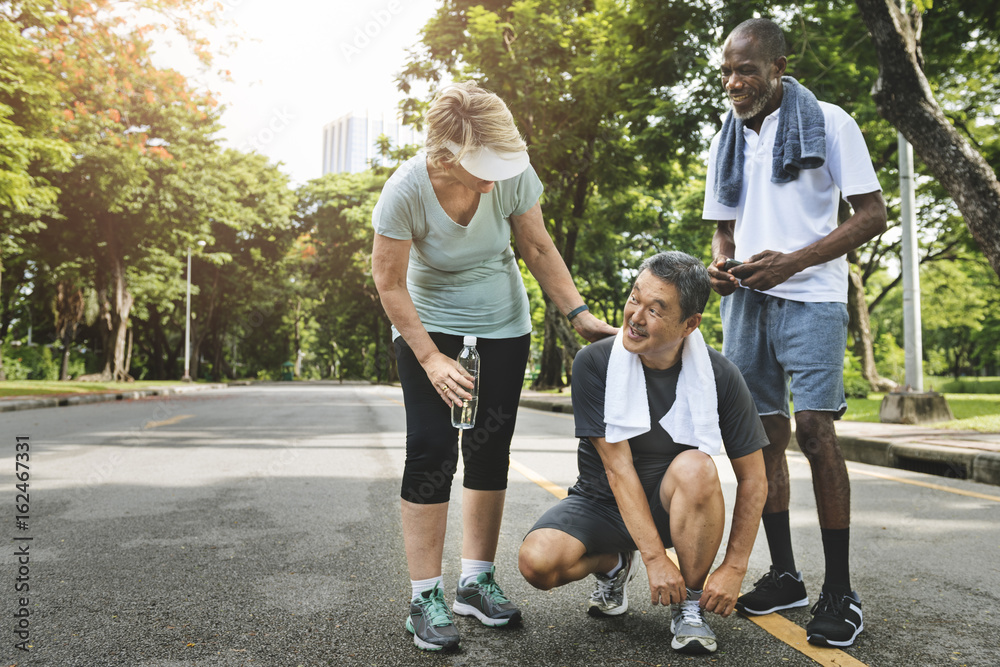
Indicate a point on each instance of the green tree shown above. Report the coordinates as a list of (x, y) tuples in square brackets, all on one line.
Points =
[(567, 71), (245, 263), (333, 255), (133, 127), (904, 96), (29, 147)]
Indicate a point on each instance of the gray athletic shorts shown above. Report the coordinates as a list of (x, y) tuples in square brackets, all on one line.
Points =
[(781, 345), (599, 524)]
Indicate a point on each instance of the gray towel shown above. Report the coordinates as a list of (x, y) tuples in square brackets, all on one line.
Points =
[(800, 143)]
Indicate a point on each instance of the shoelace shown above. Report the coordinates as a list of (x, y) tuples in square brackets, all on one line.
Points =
[(691, 613), (604, 588), (437, 610), (492, 590), (829, 605), (770, 580)]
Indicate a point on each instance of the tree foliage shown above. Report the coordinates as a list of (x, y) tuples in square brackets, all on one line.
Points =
[(110, 171)]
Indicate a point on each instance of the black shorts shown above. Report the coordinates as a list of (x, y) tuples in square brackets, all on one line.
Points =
[(599, 524)]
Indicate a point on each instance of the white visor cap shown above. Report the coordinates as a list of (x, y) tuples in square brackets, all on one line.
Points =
[(490, 165)]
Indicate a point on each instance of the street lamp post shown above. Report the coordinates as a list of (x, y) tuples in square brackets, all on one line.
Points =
[(187, 324), (911, 404)]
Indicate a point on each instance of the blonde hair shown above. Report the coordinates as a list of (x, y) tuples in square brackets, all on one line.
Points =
[(471, 117)]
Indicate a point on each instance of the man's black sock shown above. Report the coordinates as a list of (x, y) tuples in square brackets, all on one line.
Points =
[(836, 545), (779, 540)]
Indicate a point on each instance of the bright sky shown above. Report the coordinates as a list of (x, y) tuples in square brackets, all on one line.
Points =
[(302, 64)]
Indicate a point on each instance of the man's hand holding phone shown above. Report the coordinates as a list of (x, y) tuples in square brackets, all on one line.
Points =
[(723, 282)]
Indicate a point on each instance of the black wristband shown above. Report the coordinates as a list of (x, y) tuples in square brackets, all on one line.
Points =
[(576, 311)]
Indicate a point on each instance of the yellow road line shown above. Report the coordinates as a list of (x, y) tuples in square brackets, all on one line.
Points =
[(167, 422), (927, 485), (775, 624), (794, 636), (556, 491)]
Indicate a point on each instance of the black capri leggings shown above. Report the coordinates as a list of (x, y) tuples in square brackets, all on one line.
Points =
[(432, 442)]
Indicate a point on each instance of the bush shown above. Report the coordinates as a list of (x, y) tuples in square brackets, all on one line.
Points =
[(855, 385), (890, 358), (34, 362)]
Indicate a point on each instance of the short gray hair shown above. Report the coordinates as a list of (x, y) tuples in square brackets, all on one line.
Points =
[(769, 40), (684, 272)]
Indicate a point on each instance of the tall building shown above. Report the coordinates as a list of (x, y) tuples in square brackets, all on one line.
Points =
[(349, 141)]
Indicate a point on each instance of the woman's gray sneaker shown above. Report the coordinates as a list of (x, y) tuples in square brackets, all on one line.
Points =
[(431, 622), (484, 599)]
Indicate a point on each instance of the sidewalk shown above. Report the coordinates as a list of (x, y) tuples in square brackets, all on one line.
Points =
[(960, 454), (14, 403)]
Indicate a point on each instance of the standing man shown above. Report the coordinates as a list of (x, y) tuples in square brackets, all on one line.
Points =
[(776, 174), (652, 406)]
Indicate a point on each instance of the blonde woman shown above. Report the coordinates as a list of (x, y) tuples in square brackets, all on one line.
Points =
[(444, 268)]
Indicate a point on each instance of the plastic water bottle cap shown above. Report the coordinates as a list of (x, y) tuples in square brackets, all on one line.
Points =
[(469, 341)]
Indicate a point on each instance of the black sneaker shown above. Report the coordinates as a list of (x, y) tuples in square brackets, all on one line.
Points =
[(431, 622), (837, 620), (484, 599), (773, 592)]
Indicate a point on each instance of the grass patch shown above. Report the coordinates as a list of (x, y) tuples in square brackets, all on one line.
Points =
[(863, 409), (966, 385), (54, 387), (972, 412)]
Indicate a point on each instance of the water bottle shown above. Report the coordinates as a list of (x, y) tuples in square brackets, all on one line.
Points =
[(464, 416)]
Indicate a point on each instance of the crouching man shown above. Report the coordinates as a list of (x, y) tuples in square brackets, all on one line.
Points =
[(652, 406)]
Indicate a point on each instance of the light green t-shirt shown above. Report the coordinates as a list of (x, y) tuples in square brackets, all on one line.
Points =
[(463, 280)]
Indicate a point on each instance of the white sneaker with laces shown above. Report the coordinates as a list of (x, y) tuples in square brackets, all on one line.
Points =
[(610, 598), (691, 631)]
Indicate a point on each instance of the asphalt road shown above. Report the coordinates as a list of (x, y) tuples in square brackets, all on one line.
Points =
[(260, 526)]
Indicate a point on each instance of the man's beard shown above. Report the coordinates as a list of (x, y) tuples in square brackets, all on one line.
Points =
[(759, 103)]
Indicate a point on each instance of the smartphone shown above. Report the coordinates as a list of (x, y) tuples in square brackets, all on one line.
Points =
[(730, 264)]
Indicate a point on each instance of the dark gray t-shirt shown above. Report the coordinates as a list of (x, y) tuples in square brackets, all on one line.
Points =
[(652, 452)]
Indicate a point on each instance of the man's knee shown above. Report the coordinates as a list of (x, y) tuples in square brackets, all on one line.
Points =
[(536, 564), (815, 434), (694, 474), (543, 558)]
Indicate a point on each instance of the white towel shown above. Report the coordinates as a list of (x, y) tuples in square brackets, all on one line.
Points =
[(692, 420)]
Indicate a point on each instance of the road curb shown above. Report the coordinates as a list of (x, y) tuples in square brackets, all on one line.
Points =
[(955, 462), (549, 406), (944, 461), (13, 405)]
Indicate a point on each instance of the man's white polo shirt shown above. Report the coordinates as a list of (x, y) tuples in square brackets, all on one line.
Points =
[(789, 216)]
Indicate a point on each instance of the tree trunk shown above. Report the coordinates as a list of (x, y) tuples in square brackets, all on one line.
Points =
[(202, 326), (157, 343), (860, 330), (195, 351), (570, 344), (298, 340), (70, 308), (903, 97), (128, 353), (104, 329), (69, 335), (551, 363), (116, 301), (121, 308)]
